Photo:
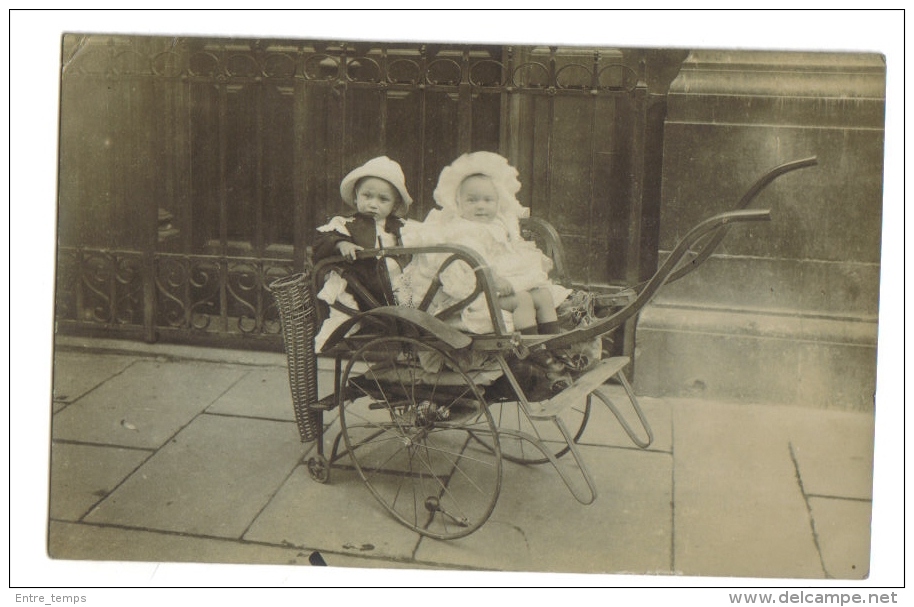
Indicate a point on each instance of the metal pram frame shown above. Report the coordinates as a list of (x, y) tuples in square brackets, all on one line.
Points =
[(428, 413)]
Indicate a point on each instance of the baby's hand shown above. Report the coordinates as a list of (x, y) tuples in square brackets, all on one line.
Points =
[(348, 249), (503, 288)]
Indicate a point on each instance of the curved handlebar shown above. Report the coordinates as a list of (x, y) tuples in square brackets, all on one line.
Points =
[(744, 202), (662, 276)]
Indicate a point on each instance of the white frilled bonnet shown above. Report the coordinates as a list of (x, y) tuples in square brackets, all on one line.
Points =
[(492, 165), (383, 168)]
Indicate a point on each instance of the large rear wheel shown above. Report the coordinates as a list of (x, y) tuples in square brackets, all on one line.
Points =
[(408, 417)]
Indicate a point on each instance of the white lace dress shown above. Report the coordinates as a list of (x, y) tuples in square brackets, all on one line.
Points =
[(510, 257)]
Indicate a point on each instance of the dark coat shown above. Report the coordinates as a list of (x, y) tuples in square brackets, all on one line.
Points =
[(370, 273)]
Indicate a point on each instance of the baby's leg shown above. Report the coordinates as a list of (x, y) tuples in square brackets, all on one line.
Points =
[(547, 321), (545, 306), (522, 307)]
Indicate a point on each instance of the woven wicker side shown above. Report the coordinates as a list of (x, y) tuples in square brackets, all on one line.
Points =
[(297, 315)]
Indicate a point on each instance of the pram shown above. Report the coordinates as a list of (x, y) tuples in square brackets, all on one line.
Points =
[(429, 413)]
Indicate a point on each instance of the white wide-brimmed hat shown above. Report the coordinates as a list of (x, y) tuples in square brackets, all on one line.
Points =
[(381, 167), (494, 166)]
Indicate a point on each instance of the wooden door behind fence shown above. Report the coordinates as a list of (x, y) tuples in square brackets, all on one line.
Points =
[(194, 171)]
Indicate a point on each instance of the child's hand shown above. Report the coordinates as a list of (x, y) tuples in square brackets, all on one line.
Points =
[(503, 288), (348, 249)]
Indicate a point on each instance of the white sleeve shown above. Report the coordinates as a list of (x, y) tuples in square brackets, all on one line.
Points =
[(413, 234), (458, 280), (337, 224)]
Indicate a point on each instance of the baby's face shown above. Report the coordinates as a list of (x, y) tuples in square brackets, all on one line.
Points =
[(477, 199), (376, 197)]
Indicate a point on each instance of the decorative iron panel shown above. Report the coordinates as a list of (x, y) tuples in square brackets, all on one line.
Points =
[(200, 294), (100, 287)]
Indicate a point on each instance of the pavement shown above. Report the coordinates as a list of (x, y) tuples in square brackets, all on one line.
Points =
[(177, 454)]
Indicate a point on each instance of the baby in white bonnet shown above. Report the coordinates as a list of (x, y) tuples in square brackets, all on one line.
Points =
[(480, 210)]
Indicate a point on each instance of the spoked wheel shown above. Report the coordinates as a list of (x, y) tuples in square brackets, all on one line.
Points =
[(510, 418), (408, 425), (318, 469)]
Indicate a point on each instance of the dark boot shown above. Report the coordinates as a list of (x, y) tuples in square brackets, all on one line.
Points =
[(545, 360), (560, 382), (549, 328), (554, 370)]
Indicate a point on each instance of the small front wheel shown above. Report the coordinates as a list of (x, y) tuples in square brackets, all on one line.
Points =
[(318, 469)]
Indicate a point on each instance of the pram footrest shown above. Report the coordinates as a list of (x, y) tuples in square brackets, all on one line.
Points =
[(327, 403), (580, 389)]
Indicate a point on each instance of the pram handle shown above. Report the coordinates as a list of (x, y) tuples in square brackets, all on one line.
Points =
[(661, 277), (744, 202)]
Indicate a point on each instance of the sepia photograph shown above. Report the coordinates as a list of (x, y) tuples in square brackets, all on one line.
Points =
[(478, 306)]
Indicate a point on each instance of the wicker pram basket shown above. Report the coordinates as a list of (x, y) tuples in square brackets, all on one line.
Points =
[(298, 317)]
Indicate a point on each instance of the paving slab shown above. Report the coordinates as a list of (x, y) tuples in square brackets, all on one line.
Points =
[(340, 516), (76, 373), (100, 543), (146, 404), (843, 532), (265, 393), (834, 452), (717, 493), (739, 510), (262, 393), (212, 479), (82, 475), (538, 526)]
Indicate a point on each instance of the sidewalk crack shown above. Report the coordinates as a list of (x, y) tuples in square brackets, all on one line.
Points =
[(67, 404), (812, 521)]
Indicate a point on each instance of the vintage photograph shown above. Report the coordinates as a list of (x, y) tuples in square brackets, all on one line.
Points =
[(466, 307)]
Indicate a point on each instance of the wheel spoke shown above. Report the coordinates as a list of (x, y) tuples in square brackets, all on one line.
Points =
[(456, 467), (383, 395), (447, 452), (417, 461), (442, 485), (385, 428)]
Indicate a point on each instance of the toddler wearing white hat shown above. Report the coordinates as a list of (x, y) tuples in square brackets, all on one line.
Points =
[(377, 191)]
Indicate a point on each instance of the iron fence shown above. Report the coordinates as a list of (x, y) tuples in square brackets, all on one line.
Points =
[(194, 171)]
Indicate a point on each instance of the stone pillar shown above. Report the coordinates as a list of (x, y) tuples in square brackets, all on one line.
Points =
[(784, 312)]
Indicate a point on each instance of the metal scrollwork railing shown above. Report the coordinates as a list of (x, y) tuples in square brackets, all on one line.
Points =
[(204, 294), (100, 286)]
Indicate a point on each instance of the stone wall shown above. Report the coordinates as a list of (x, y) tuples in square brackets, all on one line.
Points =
[(785, 311)]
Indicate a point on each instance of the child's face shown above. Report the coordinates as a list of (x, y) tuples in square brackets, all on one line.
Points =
[(477, 199), (376, 197)]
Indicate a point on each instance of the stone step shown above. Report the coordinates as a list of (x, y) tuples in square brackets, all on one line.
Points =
[(756, 358)]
